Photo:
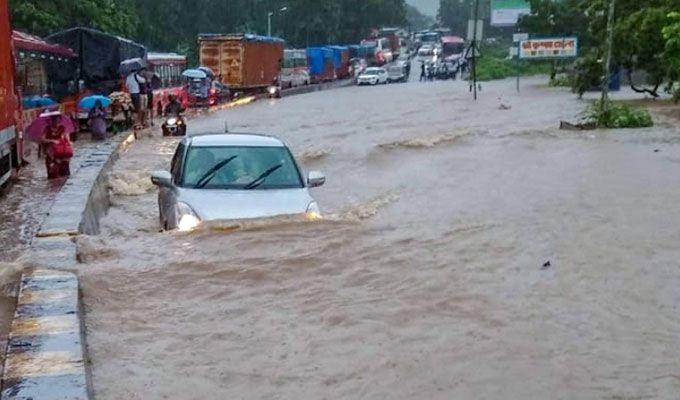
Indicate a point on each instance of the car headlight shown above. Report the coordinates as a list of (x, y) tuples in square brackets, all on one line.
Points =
[(272, 90), (313, 212), (172, 121), (187, 220)]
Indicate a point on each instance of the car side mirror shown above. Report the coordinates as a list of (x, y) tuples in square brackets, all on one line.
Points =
[(315, 179), (162, 179)]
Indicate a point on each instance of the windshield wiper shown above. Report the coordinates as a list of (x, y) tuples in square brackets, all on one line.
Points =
[(260, 179), (205, 179)]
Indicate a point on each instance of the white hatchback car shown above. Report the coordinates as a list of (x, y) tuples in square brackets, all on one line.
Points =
[(373, 76), (232, 176)]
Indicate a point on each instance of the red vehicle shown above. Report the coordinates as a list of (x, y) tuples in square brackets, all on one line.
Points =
[(394, 42), (43, 70), (167, 68), (246, 63), (10, 141), (453, 47)]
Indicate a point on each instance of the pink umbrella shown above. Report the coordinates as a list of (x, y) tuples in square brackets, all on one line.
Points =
[(36, 131)]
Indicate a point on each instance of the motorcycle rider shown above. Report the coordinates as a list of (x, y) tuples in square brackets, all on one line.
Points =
[(174, 107)]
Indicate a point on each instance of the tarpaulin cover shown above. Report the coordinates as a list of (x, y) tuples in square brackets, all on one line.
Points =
[(100, 55), (245, 38), (317, 63), (338, 52)]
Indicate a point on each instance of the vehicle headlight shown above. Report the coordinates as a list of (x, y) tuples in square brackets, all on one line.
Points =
[(186, 217), (272, 90), (172, 121), (313, 211)]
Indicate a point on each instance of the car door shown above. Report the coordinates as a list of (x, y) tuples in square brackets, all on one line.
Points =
[(167, 197)]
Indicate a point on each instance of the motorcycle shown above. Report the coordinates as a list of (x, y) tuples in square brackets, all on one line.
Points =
[(174, 126), (274, 92)]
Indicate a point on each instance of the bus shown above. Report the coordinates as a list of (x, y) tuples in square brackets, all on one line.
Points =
[(10, 142), (167, 69), (45, 77), (453, 47)]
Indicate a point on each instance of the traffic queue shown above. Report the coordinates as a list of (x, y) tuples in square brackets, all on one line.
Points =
[(64, 71)]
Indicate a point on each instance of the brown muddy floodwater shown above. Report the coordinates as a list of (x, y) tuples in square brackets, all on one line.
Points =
[(426, 281)]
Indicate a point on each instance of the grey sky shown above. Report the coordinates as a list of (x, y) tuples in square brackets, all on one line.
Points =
[(428, 7)]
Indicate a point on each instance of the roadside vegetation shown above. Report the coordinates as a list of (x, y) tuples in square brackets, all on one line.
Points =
[(495, 64), (618, 115), (173, 25)]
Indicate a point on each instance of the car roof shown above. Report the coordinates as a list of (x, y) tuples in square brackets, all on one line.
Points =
[(234, 139), (374, 69)]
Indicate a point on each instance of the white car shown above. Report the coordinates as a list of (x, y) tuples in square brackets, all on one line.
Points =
[(373, 76), (426, 50), (217, 177), (295, 78)]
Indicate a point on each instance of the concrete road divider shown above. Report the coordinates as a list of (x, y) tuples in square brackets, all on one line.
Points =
[(45, 353)]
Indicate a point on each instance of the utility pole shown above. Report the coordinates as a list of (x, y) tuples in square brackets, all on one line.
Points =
[(604, 105), (474, 49)]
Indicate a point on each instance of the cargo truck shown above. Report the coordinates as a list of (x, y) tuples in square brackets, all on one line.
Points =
[(247, 63)]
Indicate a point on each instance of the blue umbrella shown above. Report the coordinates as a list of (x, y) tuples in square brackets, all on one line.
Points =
[(37, 102), (195, 74), (89, 101)]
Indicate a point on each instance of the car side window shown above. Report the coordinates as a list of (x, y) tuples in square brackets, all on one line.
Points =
[(176, 165)]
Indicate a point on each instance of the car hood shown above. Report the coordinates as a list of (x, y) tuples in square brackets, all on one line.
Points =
[(216, 204), (368, 76)]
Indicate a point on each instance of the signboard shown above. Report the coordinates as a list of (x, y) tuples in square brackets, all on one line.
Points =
[(507, 12), (549, 48), (518, 37), (471, 29)]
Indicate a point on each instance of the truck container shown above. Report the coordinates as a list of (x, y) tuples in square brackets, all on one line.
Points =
[(9, 104), (99, 56), (320, 64), (243, 62), (340, 61), (395, 44)]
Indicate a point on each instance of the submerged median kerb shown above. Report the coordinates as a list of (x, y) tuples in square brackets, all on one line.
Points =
[(45, 354), (46, 349)]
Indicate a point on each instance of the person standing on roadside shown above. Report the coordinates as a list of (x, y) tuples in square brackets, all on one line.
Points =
[(422, 71), (59, 149), (133, 88), (149, 96), (97, 117), (140, 77)]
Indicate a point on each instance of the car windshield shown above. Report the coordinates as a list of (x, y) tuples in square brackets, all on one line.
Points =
[(396, 70), (371, 72), (244, 170)]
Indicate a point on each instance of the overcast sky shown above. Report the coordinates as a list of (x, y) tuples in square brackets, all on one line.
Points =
[(428, 7)]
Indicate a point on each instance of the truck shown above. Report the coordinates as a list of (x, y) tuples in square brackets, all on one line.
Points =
[(321, 66), (341, 61), (99, 56), (10, 142), (395, 43), (248, 63)]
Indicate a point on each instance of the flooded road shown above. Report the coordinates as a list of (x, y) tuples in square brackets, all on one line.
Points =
[(427, 278)]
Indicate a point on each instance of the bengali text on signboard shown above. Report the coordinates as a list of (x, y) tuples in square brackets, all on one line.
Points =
[(549, 48)]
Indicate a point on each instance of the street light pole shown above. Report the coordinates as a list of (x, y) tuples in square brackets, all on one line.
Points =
[(269, 23), (269, 19)]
